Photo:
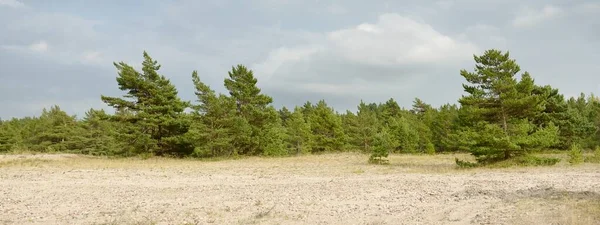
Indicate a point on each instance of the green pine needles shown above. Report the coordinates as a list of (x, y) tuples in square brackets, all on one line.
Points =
[(499, 110)]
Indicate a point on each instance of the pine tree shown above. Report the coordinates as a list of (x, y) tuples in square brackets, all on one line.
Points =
[(58, 133), (444, 127), (389, 110), (423, 122), (273, 137), (251, 105), (362, 133), (299, 136), (98, 135), (152, 109), (501, 109), (6, 138), (381, 146), (405, 135), (284, 115), (327, 129), (214, 120)]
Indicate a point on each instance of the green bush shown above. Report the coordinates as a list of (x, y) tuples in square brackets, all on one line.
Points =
[(575, 155), (524, 160), (465, 164), (430, 149), (531, 160)]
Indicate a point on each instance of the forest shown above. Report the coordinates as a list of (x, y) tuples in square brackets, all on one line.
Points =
[(503, 114)]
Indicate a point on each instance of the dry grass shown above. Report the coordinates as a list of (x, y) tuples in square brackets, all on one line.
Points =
[(353, 163)]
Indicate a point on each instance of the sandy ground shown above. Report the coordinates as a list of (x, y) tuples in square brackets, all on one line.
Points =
[(326, 189)]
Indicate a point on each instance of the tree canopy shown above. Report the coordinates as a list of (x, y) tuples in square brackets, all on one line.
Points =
[(502, 114)]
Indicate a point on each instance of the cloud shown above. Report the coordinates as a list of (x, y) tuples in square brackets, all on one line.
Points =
[(11, 3), (362, 61), (394, 41), (299, 50), (40, 46), (528, 17), (281, 56), (397, 40)]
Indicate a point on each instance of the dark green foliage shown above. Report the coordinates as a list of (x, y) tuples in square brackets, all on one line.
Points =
[(284, 114), (326, 127), (214, 122), (299, 136), (253, 107), (382, 144), (6, 138), (151, 109), (362, 128), (57, 132), (98, 135), (522, 160), (406, 136), (528, 160), (501, 110), (444, 128), (273, 135)]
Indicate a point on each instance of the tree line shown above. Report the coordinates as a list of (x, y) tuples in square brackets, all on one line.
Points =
[(503, 114)]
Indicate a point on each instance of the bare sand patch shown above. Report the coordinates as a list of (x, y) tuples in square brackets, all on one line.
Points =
[(317, 189)]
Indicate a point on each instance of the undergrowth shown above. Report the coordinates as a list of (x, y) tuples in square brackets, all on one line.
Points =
[(525, 160)]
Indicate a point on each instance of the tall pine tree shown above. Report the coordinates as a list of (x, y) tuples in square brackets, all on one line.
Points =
[(501, 109), (253, 107), (152, 109)]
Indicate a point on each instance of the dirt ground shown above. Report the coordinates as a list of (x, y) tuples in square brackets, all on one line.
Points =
[(324, 189)]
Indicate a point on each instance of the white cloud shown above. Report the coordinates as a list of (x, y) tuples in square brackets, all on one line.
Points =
[(40, 46), (11, 3), (394, 53), (397, 40), (529, 17), (280, 56), (393, 41)]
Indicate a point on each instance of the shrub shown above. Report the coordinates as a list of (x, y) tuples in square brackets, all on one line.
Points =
[(383, 143), (430, 149), (465, 164), (575, 155)]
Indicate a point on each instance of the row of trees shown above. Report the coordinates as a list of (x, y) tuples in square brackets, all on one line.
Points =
[(501, 116)]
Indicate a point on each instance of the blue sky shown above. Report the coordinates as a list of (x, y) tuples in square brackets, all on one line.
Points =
[(61, 52)]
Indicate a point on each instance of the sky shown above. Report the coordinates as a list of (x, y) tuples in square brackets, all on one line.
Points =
[(342, 51)]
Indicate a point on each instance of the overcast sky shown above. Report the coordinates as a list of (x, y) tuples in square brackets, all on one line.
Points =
[(61, 52)]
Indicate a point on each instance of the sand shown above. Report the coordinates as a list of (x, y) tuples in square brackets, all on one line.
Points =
[(325, 189)]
